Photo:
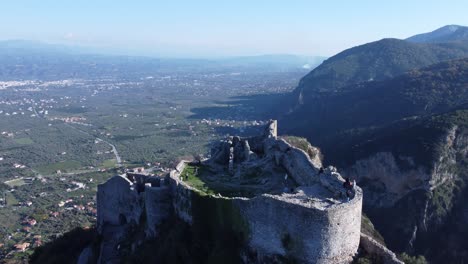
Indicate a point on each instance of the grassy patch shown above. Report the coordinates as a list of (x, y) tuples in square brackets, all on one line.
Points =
[(303, 144), (191, 175), (298, 142), (412, 259), (62, 166), (110, 163), (24, 141), (210, 183), (11, 199), (368, 228), (15, 182)]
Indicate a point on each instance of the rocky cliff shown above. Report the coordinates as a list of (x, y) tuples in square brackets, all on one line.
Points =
[(416, 198)]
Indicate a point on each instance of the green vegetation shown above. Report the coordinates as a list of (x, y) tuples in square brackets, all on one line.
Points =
[(11, 199), (444, 197), (45, 197), (303, 144), (368, 228), (298, 142), (191, 174), (24, 141), (64, 166), (363, 260), (412, 259), (209, 182), (108, 101), (15, 182), (110, 163), (375, 106), (368, 62)]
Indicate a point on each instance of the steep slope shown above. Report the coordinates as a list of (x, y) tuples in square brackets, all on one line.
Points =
[(434, 89), (447, 33), (414, 175)]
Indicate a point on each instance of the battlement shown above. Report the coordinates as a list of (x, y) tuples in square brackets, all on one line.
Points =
[(279, 192), (274, 197)]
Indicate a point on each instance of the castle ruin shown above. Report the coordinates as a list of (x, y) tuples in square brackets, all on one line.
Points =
[(269, 194)]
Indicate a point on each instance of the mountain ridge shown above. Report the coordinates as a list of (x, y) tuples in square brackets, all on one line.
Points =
[(447, 33), (377, 60)]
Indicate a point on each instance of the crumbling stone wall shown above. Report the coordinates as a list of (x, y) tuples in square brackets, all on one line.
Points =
[(374, 248), (181, 194), (282, 227), (118, 202), (308, 235), (158, 206)]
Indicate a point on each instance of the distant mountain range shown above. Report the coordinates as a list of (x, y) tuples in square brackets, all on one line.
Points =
[(23, 59)]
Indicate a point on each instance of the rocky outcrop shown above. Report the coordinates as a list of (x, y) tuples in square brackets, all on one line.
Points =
[(391, 182), (296, 162), (421, 199), (271, 130), (373, 248), (220, 152), (396, 182)]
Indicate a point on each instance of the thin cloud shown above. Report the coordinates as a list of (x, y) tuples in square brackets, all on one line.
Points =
[(69, 36)]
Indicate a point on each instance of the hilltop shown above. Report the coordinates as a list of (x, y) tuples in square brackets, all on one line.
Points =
[(374, 61), (447, 33)]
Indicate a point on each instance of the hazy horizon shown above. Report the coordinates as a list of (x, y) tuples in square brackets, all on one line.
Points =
[(211, 29)]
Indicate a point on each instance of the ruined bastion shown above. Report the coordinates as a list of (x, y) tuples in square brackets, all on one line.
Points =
[(264, 192)]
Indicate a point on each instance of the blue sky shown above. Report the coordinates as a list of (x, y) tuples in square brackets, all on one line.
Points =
[(224, 28)]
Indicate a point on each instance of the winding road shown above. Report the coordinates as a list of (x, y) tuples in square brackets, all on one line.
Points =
[(114, 149)]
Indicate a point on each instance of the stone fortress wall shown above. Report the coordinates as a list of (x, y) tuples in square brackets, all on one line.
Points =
[(316, 235), (125, 202), (312, 224)]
